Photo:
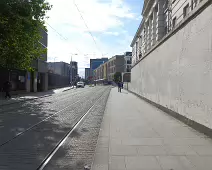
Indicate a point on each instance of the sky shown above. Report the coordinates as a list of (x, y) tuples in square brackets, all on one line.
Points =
[(112, 23)]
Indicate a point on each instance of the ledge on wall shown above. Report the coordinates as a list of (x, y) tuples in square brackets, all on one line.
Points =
[(194, 13), (195, 125)]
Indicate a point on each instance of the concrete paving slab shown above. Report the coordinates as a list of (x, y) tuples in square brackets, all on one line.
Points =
[(152, 150), (143, 141), (142, 137), (142, 162), (117, 163), (123, 150), (200, 162), (175, 163)]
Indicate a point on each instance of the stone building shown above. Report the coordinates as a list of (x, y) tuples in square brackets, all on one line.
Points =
[(115, 64), (174, 70), (118, 63), (159, 18)]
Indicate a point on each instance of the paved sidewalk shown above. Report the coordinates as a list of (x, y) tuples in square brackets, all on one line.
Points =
[(30, 95), (137, 136)]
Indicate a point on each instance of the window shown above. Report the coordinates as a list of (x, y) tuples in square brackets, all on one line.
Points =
[(128, 62), (194, 4), (185, 10), (166, 29), (156, 8), (165, 6), (174, 22)]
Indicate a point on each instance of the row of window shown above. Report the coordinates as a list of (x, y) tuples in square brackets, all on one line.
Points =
[(169, 24), (187, 8)]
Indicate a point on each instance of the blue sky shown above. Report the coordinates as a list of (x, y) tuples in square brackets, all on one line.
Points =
[(112, 23)]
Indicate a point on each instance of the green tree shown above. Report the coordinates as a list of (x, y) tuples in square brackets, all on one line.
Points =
[(117, 77), (20, 24)]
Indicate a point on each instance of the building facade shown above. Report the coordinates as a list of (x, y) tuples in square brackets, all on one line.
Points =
[(95, 63), (58, 74), (176, 72), (38, 80), (118, 63), (128, 61), (87, 73), (115, 64), (159, 18), (73, 71), (59, 68)]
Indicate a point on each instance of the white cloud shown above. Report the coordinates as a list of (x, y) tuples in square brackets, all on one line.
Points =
[(100, 16), (112, 33)]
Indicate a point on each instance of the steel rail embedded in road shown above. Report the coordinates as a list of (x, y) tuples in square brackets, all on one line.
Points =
[(38, 123), (50, 96), (36, 98), (62, 141)]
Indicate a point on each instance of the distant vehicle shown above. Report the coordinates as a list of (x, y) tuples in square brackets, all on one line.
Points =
[(80, 84)]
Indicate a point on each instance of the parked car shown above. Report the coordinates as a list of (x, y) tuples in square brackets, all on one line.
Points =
[(80, 84)]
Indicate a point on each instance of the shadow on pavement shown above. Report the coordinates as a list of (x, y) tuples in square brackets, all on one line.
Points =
[(27, 151), (123, 92), (78, 150), (23, 96)]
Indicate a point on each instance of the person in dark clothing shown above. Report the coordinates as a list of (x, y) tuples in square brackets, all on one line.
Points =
[(7, 89), (119, 86)]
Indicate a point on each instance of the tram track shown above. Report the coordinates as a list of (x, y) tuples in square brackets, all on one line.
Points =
[(13, 106), (66, 136), (33, 147), (45, 119)]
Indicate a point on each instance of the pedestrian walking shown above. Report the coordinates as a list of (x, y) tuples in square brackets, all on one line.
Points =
[(119, 86), (7, 89)]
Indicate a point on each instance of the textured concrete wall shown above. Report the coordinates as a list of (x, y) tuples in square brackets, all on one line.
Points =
[(178, 73)]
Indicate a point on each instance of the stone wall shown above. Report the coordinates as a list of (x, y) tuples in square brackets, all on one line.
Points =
[(177, 74)]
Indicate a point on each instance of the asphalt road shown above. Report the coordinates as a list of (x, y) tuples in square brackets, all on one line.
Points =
[(30, 130)]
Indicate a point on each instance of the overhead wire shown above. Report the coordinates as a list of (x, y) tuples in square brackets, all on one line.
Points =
[(66, 39), (81, 16)]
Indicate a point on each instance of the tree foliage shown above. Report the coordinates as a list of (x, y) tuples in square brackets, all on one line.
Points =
[(117, 77), (20, 24)]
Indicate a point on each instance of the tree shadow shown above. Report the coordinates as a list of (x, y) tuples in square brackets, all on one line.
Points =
[(22, 98), (79, 148), (28, 150)]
